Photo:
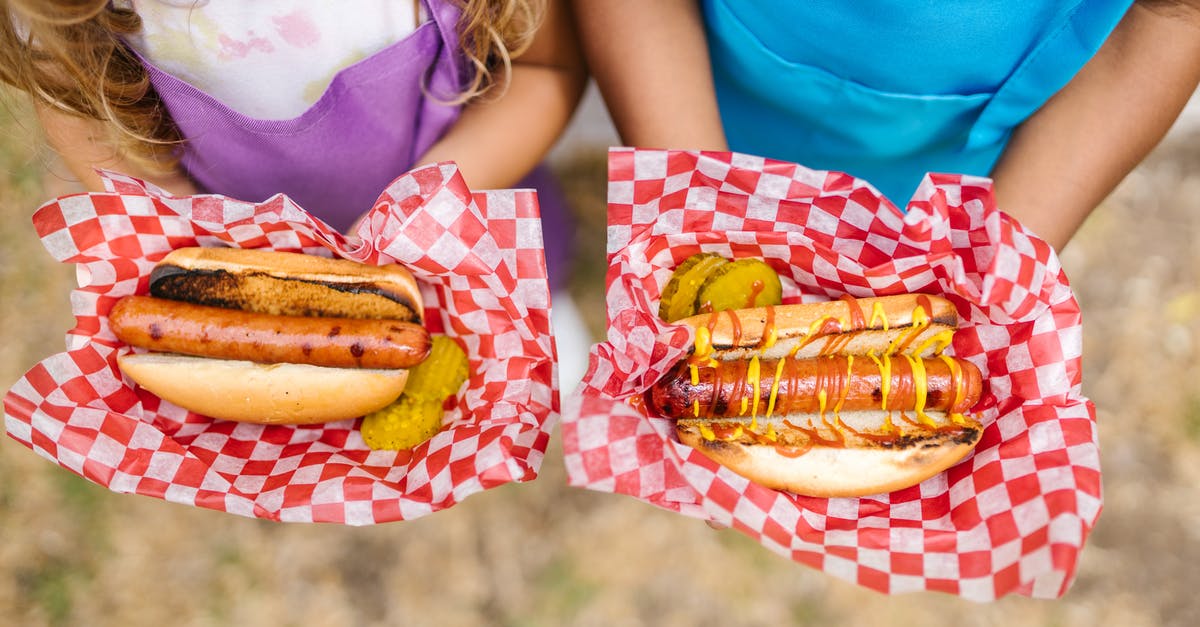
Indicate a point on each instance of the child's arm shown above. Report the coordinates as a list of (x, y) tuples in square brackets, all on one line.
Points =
[(650, 61), (497, 141), (1066, 158), (83, 144)]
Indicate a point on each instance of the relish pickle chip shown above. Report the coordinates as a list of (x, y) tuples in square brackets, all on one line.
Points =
[(441, 374), (679, 295), (738, 285), (402, 425)]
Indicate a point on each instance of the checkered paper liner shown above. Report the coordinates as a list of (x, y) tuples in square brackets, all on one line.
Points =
[(1011, 518), (479, 260)]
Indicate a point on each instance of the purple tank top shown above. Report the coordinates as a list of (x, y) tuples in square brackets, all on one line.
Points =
[(372, 123)]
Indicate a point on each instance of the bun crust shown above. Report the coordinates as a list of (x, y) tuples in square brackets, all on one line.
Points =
[(871, 323), (263, 393), (291, 284), (862, 467)]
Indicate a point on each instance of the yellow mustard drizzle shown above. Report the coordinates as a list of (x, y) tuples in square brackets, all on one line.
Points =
[(817, 325), (939, 340), (772, 337), (703, 343), (695, 371), (770, 434), (877, 313), (753, 378), (696, 408), (920, 389), (920, 320), (775, 387), (707, 433), (837, 409), (885, 376)]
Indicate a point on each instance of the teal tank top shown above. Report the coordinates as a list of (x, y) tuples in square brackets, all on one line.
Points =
[(887, 90)]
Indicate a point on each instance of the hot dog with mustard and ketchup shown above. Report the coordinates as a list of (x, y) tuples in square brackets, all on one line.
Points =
[(848, 397), (272, 337)]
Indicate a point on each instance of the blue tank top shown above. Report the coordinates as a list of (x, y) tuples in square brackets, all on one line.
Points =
[(888, 90)]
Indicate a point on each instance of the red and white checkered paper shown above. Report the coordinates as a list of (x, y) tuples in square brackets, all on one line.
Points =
[(1011, 518), (479, 260)]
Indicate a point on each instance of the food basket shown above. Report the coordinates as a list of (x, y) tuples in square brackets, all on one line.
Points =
[(1010, 518), (479, 260)]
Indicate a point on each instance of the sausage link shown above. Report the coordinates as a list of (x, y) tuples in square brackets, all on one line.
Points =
[(847, 384), (177, 327)]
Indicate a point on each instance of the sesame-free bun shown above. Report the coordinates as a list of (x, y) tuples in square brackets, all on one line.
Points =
[(867, 325), (292, 284), (263, 393), (819, 468)]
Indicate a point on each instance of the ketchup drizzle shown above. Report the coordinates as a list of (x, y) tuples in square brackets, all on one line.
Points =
[(858, 321)]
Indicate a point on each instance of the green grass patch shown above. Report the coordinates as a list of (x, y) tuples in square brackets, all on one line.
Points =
[(49, 588), (562, 592)]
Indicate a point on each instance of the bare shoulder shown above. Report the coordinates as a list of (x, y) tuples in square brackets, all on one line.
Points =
[(1174, 9)]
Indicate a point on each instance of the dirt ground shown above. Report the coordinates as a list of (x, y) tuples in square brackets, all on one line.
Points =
[(72, 553)]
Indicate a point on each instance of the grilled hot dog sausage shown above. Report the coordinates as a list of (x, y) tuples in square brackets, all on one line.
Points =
[(178, 327), (740, 387)]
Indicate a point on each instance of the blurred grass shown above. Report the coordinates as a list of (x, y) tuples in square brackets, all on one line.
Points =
[(545, 554)]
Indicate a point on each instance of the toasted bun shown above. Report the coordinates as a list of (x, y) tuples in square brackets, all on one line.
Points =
[(263, 393), (872, 325), (860, 467), (293, 284)]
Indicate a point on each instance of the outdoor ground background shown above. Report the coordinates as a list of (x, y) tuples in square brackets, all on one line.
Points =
[(72, 553)]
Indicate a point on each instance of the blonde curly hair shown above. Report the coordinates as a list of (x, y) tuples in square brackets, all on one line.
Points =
[(70, 55)]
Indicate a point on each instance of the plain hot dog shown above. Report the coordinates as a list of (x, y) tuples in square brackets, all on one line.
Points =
[(178, 327), (263, 336)]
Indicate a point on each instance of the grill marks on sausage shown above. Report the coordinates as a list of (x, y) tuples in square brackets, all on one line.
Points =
[(177, 327), (853, 384)]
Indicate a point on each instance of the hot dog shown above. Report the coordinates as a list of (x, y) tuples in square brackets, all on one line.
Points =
[(849, 397), (174, 326), (270, 337), (734, 387)]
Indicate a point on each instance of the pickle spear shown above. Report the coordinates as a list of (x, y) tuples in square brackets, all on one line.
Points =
[(417, 415)]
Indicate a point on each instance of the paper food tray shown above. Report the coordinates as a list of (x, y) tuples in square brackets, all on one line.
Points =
[(1010, 518), (479, 260)]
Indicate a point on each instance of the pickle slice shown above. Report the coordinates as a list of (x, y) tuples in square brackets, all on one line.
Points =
[(402, 425), (441, 374), (679, 296), (738, 285)]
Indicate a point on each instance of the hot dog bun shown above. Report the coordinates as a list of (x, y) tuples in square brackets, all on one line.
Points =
[(289, 284), (263, 393), (837, 327), (271, 337), (869, 462), (842, 398)]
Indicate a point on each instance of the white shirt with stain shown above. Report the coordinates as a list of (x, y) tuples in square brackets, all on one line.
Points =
[(267, 59)]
